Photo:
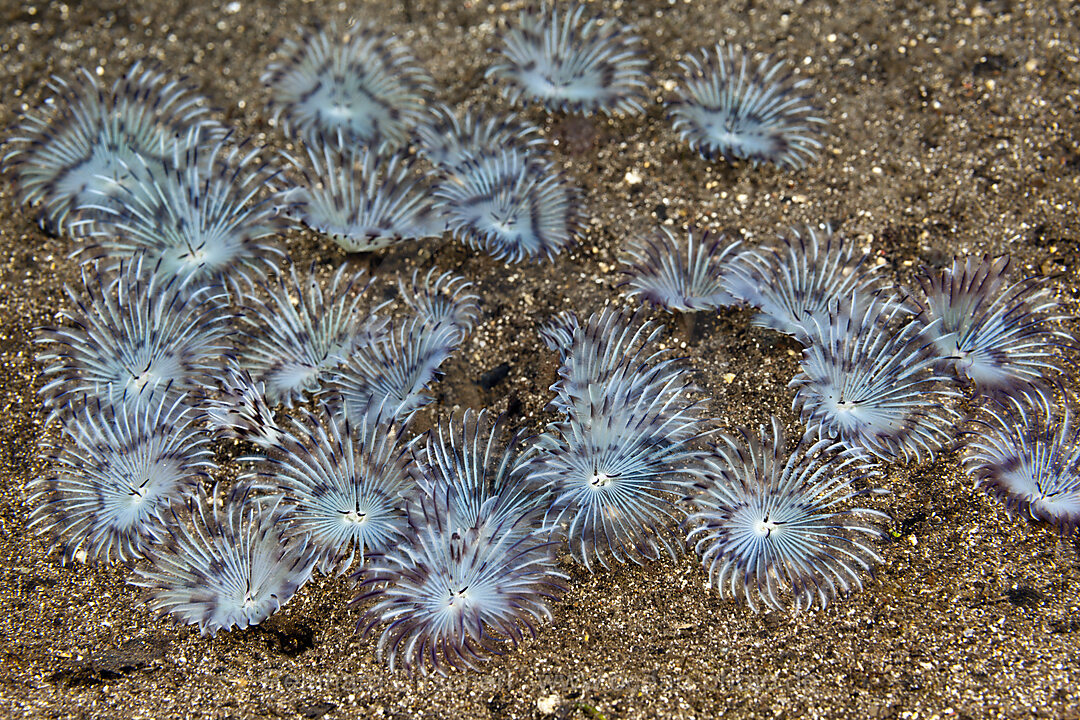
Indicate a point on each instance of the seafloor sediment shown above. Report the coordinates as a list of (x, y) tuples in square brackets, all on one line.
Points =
[(954, 128)]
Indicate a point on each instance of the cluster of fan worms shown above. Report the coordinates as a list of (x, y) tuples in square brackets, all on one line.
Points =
[(191, 325)]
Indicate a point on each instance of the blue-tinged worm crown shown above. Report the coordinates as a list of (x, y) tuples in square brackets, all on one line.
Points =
[(448, 143), (225, 563), (510, 205), (1025, 450), (777, 528), (442, 300), (484, 468), (116, 473), (359, 88), (347, 484), (558, 333), (728, 106), (612, 347), (475, 571), (795, 281), (617, 469), (208, 216), (450, 597), (362, 200), (299, 332), (627, 451), (88, 144), (566, 61), (680, 274), (1000, 336), (386, 379), (239, 410), (868, 379), (133, 333)]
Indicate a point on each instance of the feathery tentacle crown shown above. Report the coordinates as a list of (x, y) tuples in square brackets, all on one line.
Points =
[(442, 300), (572, 64), (999, 336), (616, 474), (611, 348), (362, 200), (347, 485), (495, 186), (557, 334), (488, 474), (448, 143), (384, 380), (207, 217), (778, 528), (798, 280), (626, 452), (1025, 450), (680, 275), (450, 597), (361, 88), (868, 379), (132, 333), (509, 205), (116, 473), (88, 144), (240, 410), (728, 106), (225, 564), (475, 571), (290, 347)]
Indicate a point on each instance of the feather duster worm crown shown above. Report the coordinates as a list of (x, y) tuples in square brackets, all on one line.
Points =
[(510, 205), (291, 347), (1025, 450), (627, 450), (208, 217), (133, 332), (797, 280), (225, 563), (87, 144), (357, 88), (568, 62), (116, 473), (868, 379), (728, 106), (776, 527), (1000, 336), (475, 571), (347, 485), (680, 274), (362, 200)]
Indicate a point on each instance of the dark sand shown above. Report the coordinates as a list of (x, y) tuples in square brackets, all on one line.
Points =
[(954, 130)]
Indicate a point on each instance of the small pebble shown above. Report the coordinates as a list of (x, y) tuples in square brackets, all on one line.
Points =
[(548, 704)]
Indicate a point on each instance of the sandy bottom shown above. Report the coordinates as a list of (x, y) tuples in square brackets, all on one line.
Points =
[(954, 129)]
